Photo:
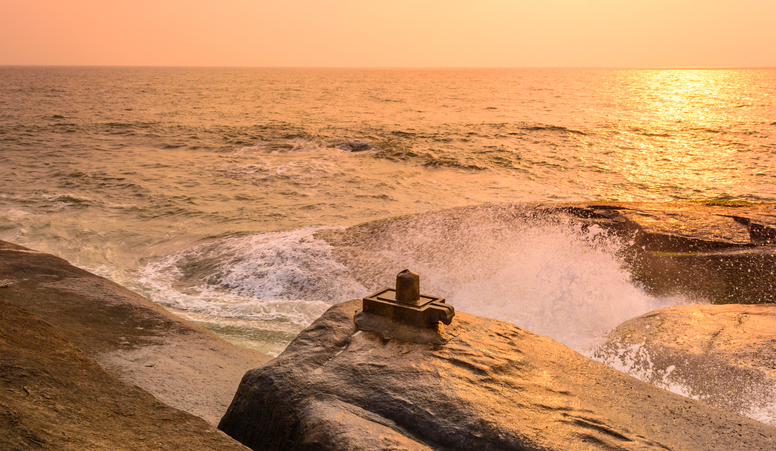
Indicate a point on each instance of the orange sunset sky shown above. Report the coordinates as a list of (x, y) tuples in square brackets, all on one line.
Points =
[(390, 33)]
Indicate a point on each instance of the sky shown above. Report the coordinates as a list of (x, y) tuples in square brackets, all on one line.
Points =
[(390, 33)]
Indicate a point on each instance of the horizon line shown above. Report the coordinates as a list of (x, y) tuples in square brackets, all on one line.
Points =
[(392, 67)]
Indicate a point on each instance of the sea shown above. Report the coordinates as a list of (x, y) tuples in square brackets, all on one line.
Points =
[(206, 189)]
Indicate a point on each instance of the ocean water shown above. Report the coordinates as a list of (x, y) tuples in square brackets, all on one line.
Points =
[(207, 189)]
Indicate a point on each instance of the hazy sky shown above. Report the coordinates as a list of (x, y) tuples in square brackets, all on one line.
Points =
[(390, 33)]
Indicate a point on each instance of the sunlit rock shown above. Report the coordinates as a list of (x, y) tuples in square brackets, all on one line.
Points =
[(483, 385), (134, 339), (53, 396), (718, 251), (715, 251), (724, 355)]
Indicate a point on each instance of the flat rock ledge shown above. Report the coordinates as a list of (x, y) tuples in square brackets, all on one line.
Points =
[(724, 355), (489, 386)]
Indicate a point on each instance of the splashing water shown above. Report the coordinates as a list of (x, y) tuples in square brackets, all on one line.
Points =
[(259, 291), (713, 383), (555, 278), (559, 280)]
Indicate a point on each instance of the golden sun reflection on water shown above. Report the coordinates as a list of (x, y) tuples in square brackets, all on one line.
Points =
[(681, 128)]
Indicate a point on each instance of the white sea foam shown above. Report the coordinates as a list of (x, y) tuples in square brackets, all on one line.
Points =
[(558, 279), (634, 360), (763, 412), (67, 198), (14, 214), (553, 279), (272, 282), (738, 393)]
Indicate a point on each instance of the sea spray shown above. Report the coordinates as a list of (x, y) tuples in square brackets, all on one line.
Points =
[(698, 377), (557, 280), (560, 279), (257, 290)]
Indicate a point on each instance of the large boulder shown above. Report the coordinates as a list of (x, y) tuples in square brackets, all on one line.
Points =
[(723, 355), (53, 396), (481, 384), (134, 339)]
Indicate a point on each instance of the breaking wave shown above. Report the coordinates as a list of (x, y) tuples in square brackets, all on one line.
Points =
[(555, 279)]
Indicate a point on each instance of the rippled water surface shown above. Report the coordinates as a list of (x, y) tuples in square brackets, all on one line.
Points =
[(204, 188)]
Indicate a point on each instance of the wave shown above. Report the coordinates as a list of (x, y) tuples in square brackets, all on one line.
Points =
[(430, 159), (294, 143), (553, 128), (68, 199), (555, 279), (265, 285), (356, 145)]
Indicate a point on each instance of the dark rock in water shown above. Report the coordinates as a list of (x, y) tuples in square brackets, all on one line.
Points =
[(762, 234), (703, 250), (486, 385), (717, 251), (356, 145), (758, 233), (679, 226), (723, 355), (738, 275)]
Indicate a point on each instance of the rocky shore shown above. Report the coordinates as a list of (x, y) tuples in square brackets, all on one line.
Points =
[(489, 386), (87, 364), (723, 355), (718, 251)]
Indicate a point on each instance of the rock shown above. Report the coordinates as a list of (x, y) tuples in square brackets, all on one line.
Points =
[(356, 145), (138, 341), (716, 251), (758, 233), (53, 396), (724, 355), (487, 385), (733, 276)]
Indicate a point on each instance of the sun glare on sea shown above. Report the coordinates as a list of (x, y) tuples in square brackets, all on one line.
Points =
[(682, 116)]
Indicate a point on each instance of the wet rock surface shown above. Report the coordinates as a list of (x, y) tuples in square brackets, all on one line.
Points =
[(486, 385), (724, 355), (723, 252), (718, 251), (680, 226)]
